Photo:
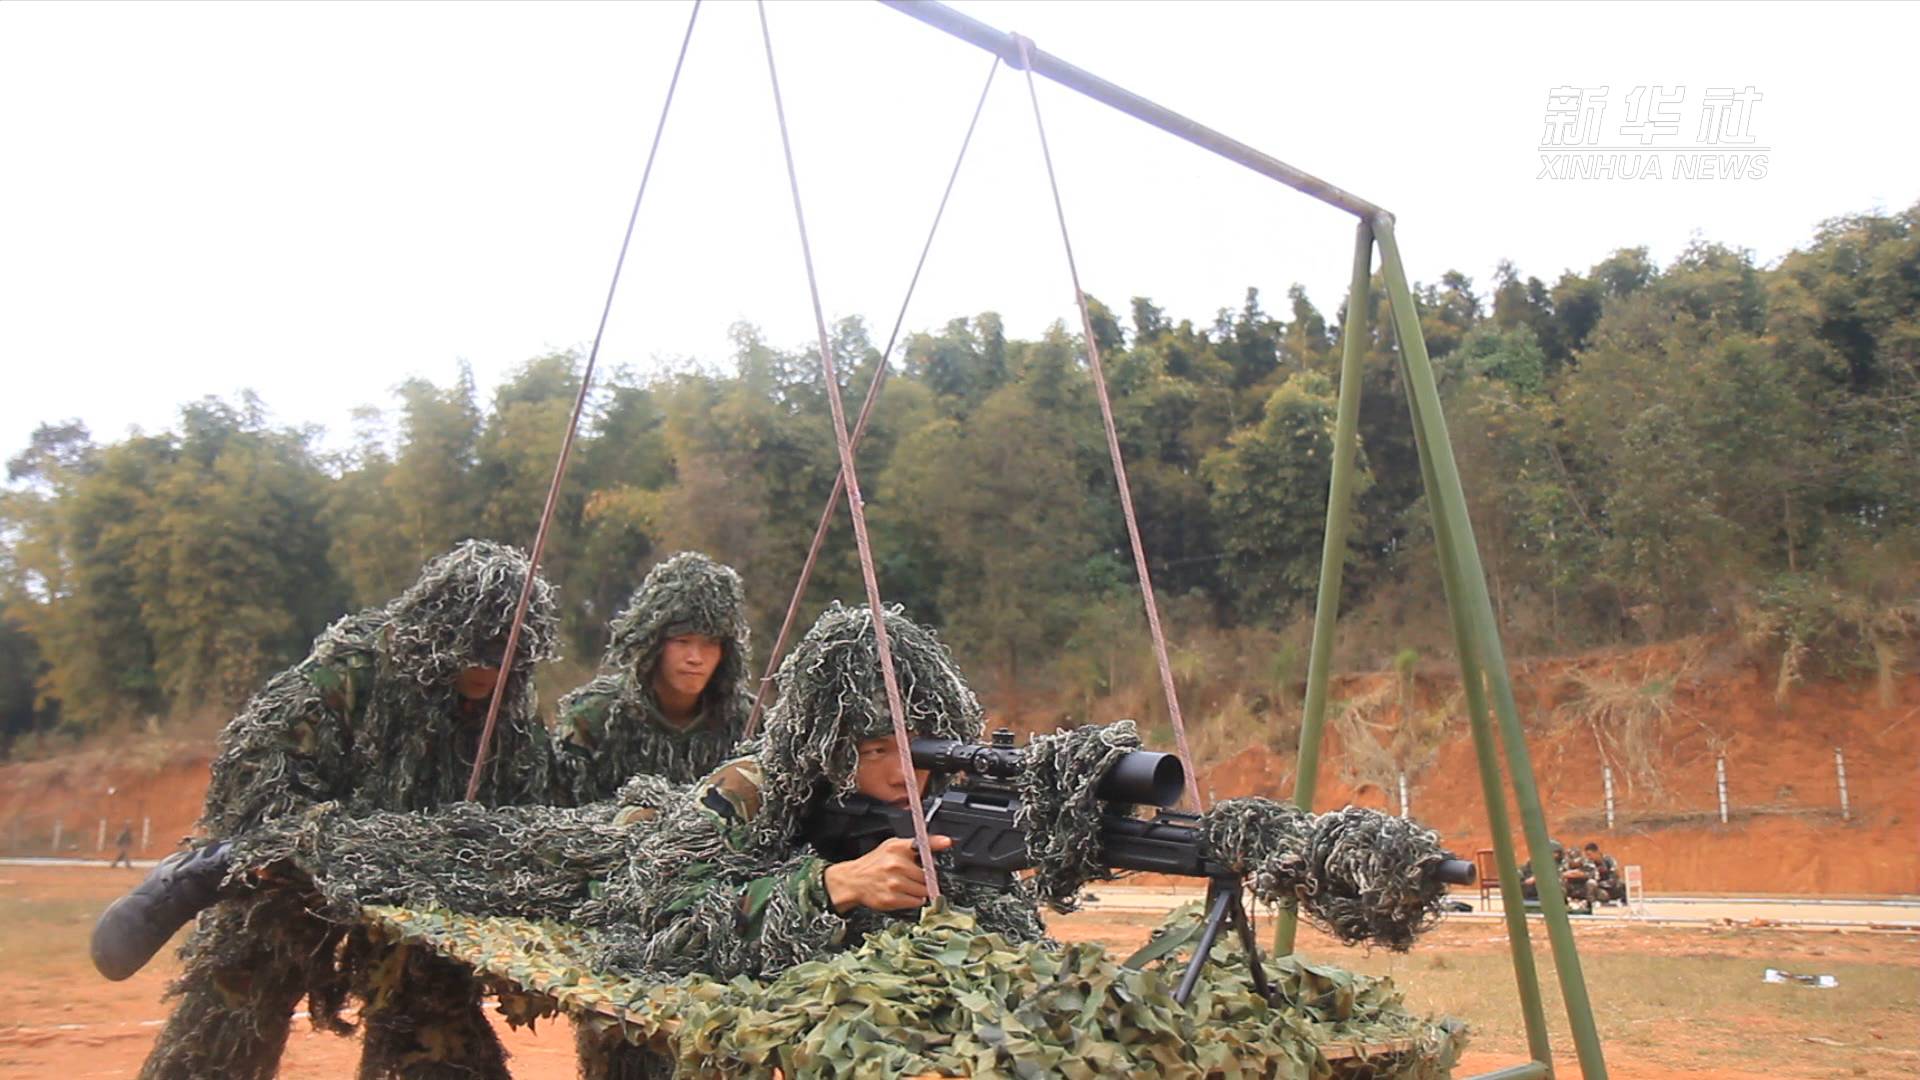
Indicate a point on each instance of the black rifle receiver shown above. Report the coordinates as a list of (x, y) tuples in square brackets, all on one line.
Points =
[(990, 844)]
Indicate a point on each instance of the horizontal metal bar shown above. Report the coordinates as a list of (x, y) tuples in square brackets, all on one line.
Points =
[(1532, 1070), (1007, 47)]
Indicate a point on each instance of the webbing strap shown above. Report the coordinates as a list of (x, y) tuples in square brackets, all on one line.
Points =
[(573, 428), (860, 425), (855, 505), (1113, 449)]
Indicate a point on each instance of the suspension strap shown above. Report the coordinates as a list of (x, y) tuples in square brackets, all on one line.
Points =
[(1113, 447), (573, 428), (860, 426), (855, 505)]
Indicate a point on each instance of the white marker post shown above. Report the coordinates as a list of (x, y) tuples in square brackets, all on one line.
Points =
[(1405, 810), (1720, 775), (100, 842), (57, 824), (1606, 777), (1840, 770), (146, 832)]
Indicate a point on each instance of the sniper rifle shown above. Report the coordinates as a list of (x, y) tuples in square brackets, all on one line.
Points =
[(982, 812)]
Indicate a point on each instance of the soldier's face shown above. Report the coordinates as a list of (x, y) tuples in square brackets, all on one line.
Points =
[(878, 774), (476, 683), (687, 663)]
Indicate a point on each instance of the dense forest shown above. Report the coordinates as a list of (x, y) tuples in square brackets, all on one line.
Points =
[(1709, 446)]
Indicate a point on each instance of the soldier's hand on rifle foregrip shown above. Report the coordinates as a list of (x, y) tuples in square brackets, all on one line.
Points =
[(887, 878)]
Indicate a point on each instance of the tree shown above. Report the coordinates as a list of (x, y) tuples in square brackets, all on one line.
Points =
[(1269, 498)]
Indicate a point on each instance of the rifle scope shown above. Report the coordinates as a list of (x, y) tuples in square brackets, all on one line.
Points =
[(1146, 777)]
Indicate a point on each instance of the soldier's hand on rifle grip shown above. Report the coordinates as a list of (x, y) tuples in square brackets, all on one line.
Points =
[(887, 878)]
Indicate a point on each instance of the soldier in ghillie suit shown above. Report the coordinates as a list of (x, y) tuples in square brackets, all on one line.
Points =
[(384, 714), (671, 697), (724, 884)]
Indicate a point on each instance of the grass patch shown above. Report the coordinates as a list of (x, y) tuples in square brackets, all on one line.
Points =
[(1697, 1011)]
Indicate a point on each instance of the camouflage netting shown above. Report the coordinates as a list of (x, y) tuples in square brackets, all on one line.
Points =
[(939, 996), (1358, 874), (613, 727), (1060, 811)]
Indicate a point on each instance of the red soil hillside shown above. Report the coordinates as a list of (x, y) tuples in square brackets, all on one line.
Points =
[(1785, 834)]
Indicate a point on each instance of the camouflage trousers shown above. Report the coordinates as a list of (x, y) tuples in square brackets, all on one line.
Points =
[(245, 967), (421, 1014)]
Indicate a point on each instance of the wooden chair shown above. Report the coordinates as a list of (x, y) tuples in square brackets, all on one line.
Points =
[(1488, 873)]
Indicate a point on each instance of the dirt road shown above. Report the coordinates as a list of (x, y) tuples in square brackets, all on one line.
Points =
[(1672, 1001)]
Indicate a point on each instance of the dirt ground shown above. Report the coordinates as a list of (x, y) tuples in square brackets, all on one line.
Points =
[(1671, 1002)]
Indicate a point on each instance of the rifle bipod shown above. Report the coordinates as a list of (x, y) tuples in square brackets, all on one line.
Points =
[(1225, 900)]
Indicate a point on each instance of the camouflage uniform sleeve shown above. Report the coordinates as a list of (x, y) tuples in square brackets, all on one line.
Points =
[(579, 729), (698, 897), (288, 750)]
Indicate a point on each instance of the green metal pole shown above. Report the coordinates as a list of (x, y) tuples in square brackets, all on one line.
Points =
[(1449, 499), (1512, 903), (1333, 551)]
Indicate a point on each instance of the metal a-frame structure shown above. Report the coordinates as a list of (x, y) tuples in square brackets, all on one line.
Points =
[(1483, 665)]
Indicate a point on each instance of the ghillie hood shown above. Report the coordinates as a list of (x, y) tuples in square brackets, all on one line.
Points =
[(413, 747), (832, 697), (613, 728), (687, 594)]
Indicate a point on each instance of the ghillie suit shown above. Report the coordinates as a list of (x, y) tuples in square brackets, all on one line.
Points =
[(531, 862), (613, 728), (371, 721)]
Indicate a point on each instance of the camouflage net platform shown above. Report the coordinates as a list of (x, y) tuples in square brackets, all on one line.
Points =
[(939, 998)]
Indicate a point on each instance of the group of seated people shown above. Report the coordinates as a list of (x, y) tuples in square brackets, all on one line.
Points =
[(1589, 876)]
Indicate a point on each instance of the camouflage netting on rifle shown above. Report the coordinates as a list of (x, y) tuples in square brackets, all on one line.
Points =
[(537, 862), (940, 997), (1358, 874), (1061, 812)]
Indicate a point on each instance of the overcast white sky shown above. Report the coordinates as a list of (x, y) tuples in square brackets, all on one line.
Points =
[(319, 200)]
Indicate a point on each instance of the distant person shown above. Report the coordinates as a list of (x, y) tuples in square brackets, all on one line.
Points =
[(123, 855), (1529, 888), (1606, 875)]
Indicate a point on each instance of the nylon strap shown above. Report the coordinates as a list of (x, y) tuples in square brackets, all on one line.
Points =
[(855, 505), (1113, 448), (573, 428), (860, 426)]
